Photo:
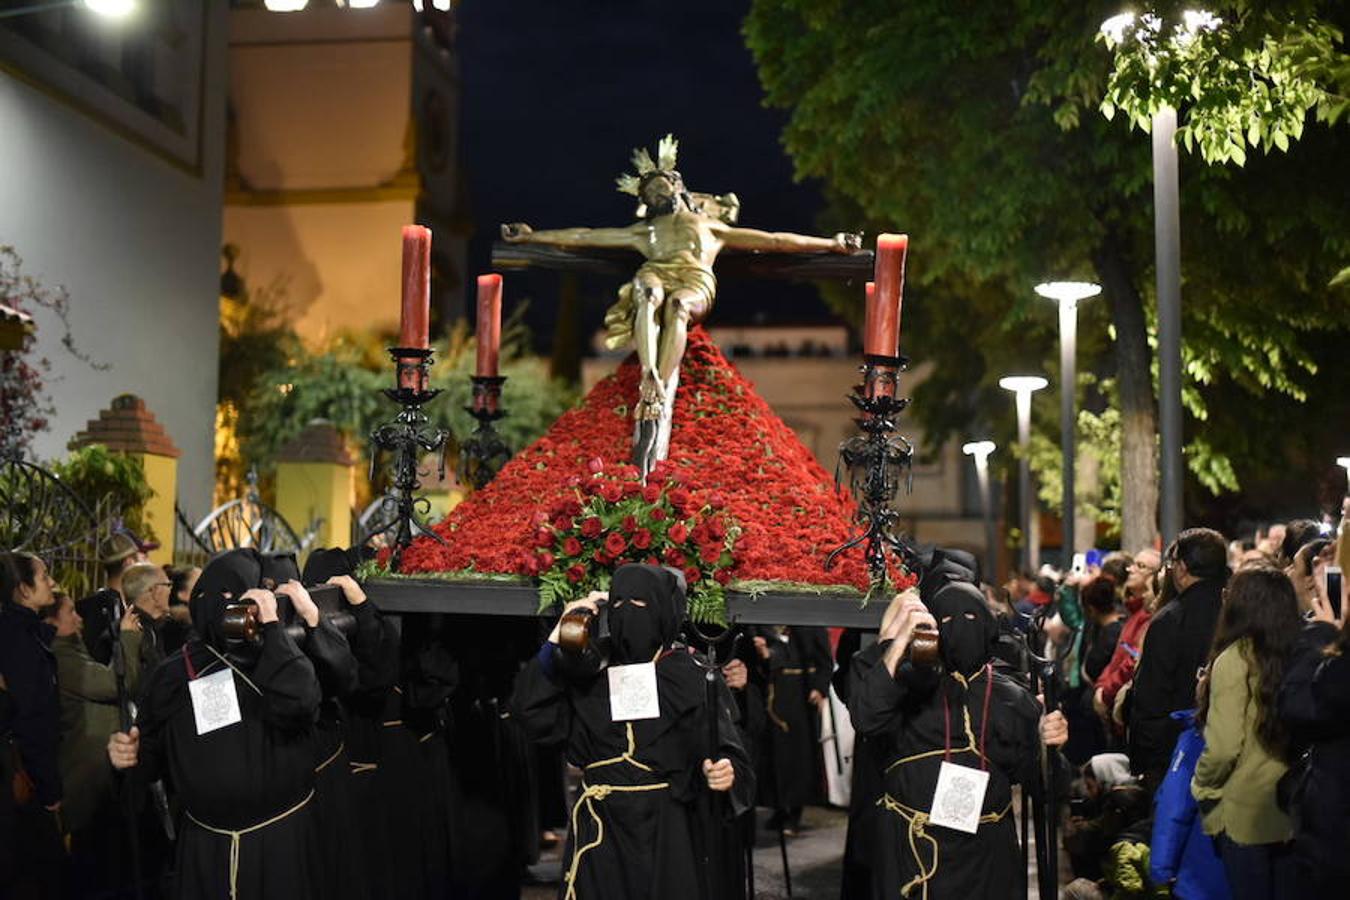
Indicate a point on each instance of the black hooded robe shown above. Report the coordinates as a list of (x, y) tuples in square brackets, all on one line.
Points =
[(790, 764), (636, 827), (905, 716), (247, 829)]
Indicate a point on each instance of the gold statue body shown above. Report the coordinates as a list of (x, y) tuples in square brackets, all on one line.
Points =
[(680, 234)]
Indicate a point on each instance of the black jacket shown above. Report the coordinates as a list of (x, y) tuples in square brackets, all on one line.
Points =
[(1315, 704), (32, 719), (1176, 646)]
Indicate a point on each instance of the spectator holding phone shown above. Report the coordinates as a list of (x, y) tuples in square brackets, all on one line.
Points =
[(1314, 704)]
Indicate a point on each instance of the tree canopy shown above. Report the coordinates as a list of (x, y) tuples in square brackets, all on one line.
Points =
[(976, 129)]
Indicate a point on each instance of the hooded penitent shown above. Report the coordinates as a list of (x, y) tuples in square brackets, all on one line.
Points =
[(942, 567), (279, 568), (329, 562), (638, 631), (967, 629), (223, 581)]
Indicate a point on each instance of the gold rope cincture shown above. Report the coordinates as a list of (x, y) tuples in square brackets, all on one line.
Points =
[(342, 745), (247, 681), (235, 835), (360, 768), (769, 708), (593, 792), (918, 822)]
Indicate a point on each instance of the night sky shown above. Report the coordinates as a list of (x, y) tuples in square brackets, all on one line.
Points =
[(556, 95)]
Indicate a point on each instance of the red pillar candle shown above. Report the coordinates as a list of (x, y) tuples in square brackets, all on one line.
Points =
[(489, 323), (414, 324), (883, 335)]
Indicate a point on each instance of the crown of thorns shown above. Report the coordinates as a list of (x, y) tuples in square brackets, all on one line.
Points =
[(666, 150)]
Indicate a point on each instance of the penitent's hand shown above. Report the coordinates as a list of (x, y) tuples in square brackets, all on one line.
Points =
[(266, 601), (304, 604), (123, 748), (721, 776), (351, 591), (515, 231), (735, 674), (900, 629), (1054, 729)]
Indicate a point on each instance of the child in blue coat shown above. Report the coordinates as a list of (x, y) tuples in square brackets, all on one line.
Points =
[(1182, 854)]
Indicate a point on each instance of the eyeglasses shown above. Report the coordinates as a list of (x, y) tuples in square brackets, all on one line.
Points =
[(167, 584)]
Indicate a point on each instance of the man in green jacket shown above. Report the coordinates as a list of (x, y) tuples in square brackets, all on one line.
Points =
[(89, 714)]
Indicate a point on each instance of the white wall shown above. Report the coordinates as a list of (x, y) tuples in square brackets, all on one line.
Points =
[(136, 242)]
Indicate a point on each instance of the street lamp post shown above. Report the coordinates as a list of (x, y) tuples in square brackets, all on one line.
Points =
[(1167, 249), (1068, 294), (1022, 387), (980, 450)]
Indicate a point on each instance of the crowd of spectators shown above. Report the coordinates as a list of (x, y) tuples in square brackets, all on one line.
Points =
[(1208, 697)]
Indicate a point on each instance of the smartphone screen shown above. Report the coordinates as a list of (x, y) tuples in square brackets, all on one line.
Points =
[(1334, 589), (1080, 563)]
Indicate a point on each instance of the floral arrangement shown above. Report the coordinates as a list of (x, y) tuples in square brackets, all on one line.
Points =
[(610, 518), (727, 448)]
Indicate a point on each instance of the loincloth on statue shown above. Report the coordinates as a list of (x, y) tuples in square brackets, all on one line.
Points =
[(683, 277)]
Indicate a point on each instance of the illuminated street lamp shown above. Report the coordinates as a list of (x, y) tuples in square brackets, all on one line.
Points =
[(1068, 294), (1022, 387), (109, 9), (1167, 251), (980, 451)]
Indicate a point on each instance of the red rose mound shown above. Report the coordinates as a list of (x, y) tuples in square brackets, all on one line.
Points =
[(727, 448)]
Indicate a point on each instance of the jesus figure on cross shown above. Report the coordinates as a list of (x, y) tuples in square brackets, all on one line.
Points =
[(680, 234)]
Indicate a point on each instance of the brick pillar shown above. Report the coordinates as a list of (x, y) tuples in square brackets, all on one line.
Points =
[(128, 427), (314, 480)]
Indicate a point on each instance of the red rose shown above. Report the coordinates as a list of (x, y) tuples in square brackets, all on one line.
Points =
[(543, 538), (573, 481), (630, 524), (612, 491), (545, 559), (622, 561), (652, 561), (595, 465), (539, 519), (571, 547), (576, 572), (718, 500), (658, 515), (592, 487), (591, 527), (679, 498), (723, 576), (717, 529), (651, 493), (679, 533), (603, 558), (675, 558), (572, 506), (562, 523), (710, 553), (532, 567), (642, 539), (692, 575), (700, 533), (632, 488), (615, 543)]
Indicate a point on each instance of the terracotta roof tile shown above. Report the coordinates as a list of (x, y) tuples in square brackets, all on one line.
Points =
[(127, 427)]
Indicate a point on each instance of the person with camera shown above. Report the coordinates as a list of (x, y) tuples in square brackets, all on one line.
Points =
[(1314, 704), (1179, 638), (632, 709), (953, 735), (230, 720), (30, 731)]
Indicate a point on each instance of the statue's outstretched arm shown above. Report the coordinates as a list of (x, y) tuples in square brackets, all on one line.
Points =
[(520, 233), (787, 242)]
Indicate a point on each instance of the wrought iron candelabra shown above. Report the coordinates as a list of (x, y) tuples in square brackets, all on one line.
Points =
[(408, 438), (484, 452), (877, 461)]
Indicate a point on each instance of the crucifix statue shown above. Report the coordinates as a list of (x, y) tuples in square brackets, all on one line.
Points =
[(680, 234)]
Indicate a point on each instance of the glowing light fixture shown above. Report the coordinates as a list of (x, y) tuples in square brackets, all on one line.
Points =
[(113, 9), (980, 450), (1068, 291), (285, 5)]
